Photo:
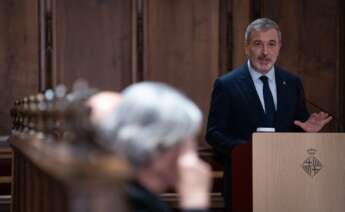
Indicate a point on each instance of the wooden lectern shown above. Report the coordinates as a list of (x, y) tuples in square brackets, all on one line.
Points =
[(285, 172), (298, 172)]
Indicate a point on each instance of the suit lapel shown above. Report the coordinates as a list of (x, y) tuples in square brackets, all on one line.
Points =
[(282, 89), (252, 99)]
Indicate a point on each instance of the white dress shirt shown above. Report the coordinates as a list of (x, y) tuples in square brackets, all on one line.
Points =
[(259, 84)]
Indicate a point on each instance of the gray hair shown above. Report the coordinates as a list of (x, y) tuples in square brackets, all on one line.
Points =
[(261, 24), (151, 117)]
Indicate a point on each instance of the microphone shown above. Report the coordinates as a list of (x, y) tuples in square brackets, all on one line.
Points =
[(320, 108)]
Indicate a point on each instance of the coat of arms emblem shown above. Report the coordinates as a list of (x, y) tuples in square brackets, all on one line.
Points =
[(311, 165)]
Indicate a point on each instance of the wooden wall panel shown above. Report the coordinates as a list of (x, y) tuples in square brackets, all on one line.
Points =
[(18, 55), (319, 48), (183, 46), (241, 13), (94, 40), (287, 14), (311, 46), (225, 37)]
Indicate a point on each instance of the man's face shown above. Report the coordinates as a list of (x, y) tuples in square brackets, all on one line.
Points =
[(262, 49)]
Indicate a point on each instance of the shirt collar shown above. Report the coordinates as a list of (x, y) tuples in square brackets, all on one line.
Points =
[(256, 75)]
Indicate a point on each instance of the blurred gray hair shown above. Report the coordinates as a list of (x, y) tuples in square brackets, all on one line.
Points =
[(261, 24), (151, 117)]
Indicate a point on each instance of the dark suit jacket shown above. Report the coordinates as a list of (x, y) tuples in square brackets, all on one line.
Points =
[(236, 111)]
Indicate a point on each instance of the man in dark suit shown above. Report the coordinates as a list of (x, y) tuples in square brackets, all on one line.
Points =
[(257, 96)]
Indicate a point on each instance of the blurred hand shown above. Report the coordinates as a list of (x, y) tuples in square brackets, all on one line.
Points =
[(315, 122), (194, 181)]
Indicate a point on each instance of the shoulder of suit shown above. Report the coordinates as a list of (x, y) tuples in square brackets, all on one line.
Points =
[(234, 74), (286, 75)]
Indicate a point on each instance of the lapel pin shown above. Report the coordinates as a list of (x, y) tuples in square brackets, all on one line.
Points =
[(284, 83)]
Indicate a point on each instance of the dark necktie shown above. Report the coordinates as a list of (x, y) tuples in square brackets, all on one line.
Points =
[(269, 103)]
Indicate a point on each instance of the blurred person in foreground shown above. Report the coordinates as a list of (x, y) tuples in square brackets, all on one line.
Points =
[(154, 127), (102, 104)]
